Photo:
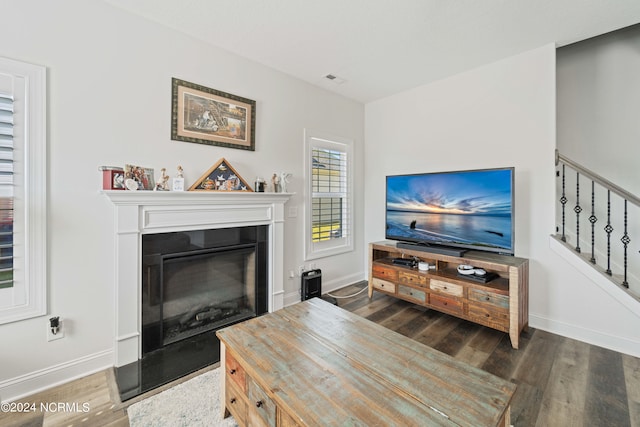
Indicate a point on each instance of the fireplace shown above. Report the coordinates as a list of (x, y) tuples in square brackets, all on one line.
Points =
[(199, 281), (205, 232)]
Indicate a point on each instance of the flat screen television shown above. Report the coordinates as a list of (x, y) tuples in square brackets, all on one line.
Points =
[(471, 209)]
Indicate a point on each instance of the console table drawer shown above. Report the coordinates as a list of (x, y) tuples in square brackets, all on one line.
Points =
[(451, 305), (494, 318), (235, 401), (384, 272), (487, 297), (446, 288), (408, 278), (235, 372), (383, 285), (412, 293), (262, 410)]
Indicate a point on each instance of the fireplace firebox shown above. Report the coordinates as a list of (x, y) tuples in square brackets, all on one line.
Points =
[(198, 281), (194, 283)]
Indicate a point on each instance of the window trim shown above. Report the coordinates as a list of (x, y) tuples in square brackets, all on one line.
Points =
[(28, 297), (314, 138)]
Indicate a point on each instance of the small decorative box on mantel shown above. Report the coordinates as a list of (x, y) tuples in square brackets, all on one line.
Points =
[(112, 177)]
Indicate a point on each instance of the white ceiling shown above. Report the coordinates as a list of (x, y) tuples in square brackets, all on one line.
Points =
[(382, 47)]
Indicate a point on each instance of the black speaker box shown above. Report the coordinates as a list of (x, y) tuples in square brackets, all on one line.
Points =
[(311, 284)]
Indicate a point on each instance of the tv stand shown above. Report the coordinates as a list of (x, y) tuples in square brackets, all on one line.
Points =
[(434, 249), (501, 303)]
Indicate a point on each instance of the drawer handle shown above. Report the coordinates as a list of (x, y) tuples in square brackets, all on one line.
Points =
[(232, 371), (488, 298), (232, 400), (259, 404)]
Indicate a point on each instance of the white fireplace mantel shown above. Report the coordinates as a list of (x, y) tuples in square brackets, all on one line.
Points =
[(149, 212)]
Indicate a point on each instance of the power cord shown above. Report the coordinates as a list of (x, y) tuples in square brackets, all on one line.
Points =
[(349, 296)]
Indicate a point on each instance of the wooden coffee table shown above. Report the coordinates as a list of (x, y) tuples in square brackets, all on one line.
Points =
[(314, 364)]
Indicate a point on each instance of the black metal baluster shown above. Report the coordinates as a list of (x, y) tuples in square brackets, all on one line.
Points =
[(592, 220), (609, 229), (563, 200), (625, 241), (577, 210)]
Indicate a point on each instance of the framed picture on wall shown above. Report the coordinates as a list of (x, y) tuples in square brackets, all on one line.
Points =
[(208, 116)]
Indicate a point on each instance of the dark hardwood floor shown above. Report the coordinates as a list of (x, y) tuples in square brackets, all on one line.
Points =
[(561, 382)]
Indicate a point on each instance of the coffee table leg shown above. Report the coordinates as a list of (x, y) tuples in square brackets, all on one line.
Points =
[(506, 418), (223, 375)]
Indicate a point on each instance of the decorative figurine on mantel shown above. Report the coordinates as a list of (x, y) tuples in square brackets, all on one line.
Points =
[(275, 182), (162, 184), (178, 181), (285, 178)]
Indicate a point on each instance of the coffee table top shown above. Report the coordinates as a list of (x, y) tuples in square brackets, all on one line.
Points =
[(326, 366)]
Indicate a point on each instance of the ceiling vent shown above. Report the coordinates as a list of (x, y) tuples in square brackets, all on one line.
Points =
[(334, 79)]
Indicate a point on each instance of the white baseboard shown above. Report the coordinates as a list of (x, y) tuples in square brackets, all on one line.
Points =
[(34, 382), (611, 342)]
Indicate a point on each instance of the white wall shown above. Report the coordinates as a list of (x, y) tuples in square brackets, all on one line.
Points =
[(502, 114), (598, 99), (109, 103)]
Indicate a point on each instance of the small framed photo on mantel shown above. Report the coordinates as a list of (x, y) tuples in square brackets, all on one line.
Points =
[(208, 116), (138, 177)]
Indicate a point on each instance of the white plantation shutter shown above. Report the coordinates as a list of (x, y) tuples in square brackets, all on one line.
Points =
[(23, 191), (330, 199), (6, 191)]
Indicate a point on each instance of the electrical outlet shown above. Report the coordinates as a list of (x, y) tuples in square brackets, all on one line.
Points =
[(60, 332), (292, 274)]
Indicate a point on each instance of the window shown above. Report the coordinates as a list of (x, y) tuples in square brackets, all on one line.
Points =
[(6, 191), (329, 204), (22, 191)]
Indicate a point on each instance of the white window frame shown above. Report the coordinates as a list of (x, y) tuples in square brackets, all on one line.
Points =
[(27, 297), (315, 250)]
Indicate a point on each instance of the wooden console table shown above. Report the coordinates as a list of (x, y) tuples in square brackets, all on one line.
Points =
[(315, 364), (502, 303)]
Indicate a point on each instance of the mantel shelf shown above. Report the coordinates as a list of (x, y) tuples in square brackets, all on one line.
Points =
[(124, 197)]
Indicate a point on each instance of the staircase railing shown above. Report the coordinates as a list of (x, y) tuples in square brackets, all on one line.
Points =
[(617, 212)]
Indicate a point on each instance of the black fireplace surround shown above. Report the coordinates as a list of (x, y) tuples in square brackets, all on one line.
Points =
[(194, 283)]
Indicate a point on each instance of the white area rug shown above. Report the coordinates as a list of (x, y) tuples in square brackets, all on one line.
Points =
[(192, 403)]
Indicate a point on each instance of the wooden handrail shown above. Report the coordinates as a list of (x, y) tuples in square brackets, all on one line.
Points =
[(599, 179)]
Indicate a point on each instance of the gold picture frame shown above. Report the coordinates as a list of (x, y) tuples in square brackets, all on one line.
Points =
[(221, 177), (208, 116)]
